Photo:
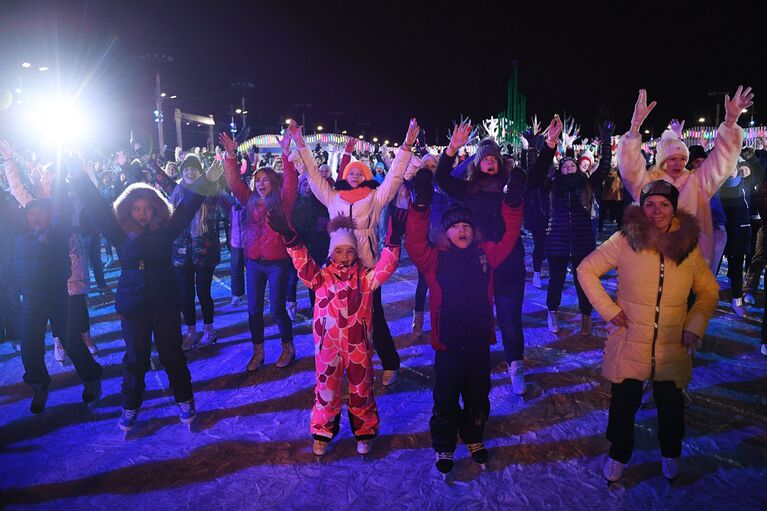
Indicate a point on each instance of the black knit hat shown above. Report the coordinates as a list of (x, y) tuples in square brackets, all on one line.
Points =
[(456, 215), (488, 147), (662, 188), (696, 151)]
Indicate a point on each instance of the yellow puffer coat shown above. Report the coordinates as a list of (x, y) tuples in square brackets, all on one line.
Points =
[(655, 276)]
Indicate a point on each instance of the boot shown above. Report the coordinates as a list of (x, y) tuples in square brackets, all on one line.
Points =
[(613, 470), (88, 341), (478, 452), (190, 337), (363, 446), (417, 323), (537, 280), (319, 448), (291, 308), (59, 355), (91, 391), (737, 307), (553, 322), (39, 398), (389, 377), (671, 468), (288, 355), (749, 298), (258, 357), (209, 336), (128, 419), (444, 462), (585, 325), (187, 411), (517, 375)]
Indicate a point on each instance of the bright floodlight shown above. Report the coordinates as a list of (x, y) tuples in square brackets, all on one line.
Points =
[(26, 65), (43, 68), (58, 121)]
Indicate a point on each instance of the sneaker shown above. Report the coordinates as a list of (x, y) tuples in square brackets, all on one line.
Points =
[(258, 357), (320, 448), (291, 308), (237, 300), (444, 462), (418, 323), (39, 398), (59, 355), (186, 411), (363, 446), (209, 336), (91, 391), (288, 355), (585, 325), (749, 298), (128, 419), (537, 282), (763, 350), (88, 341), (613, 470), (190, 337), (478, 452), (553, 322), (390, 376), (686, 397), (517, 375), (671, 468), (737, 307)]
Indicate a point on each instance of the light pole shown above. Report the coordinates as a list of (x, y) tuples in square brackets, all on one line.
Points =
[(243, 85), (157, 58), (335, 116)]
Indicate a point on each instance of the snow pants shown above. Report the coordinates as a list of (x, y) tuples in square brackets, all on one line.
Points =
[(464, 374), (624, 403), (137, 330), (333, 356)]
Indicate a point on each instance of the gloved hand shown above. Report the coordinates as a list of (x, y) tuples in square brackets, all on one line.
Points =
[(606, 131), (397, 226), (279, 223), (423, 189), (515, 187)]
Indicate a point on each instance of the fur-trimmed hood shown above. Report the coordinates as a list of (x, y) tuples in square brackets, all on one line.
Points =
[(124, 203), (676, 245)]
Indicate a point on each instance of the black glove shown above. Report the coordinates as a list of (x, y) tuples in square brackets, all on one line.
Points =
[(397, 220), (279, 224), (423, 189), (606, 131), (515, 187)]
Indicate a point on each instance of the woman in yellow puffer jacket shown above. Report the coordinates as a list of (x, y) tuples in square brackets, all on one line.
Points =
[(651, 332)]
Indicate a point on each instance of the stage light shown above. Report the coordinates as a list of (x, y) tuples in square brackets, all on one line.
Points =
[(702, 119), (173, 97), (238, 111), (26, 65), (58, 121), (162, 95)]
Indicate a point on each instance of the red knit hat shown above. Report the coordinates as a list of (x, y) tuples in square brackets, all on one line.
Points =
[(358, 165)]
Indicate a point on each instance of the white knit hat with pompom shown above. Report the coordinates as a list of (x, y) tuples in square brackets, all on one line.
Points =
[(668, 146)]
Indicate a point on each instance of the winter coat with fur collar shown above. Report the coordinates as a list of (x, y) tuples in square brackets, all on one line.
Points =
[(656, 273)]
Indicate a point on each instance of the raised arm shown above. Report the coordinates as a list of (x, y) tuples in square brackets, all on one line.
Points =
[(631, 164), (347, 156), (98, 209), (193, 197), (319, 185), (289, 178), (20, 192), (232, 171), (597, 178), (453, 186), (395, 176), (537, 174), (512, 213)]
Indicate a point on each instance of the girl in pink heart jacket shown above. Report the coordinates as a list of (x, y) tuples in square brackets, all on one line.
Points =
[(343, 325)]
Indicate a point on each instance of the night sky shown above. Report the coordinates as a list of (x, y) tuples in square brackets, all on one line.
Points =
[(381, 63)]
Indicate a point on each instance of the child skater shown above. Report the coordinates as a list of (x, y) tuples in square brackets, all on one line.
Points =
[(460, 279), (343, 325)]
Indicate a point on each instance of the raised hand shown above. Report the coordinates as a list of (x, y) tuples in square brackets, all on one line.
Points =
[(121, 158), (734, 107), (553, 131), (229, 144), (296, 134), (458, 139), (677, 127), (641, 110), (606, 131), (6, 150), (215, 171), (351, 143), (412, 133), (536, 125), (284, 142)]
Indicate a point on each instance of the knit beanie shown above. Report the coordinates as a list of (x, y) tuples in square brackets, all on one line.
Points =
[(488, 147), (456, 215), (586, 155), (669, 145), (428, 157), (192, 161), (341, 230), (697, 151), (662, 188), (358, 165), (563, 160)]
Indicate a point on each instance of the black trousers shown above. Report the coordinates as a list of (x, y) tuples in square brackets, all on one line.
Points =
[(382, 339), (237, 271), (137, 330), (199, 278), (557, 274), (36, 311), (10, 313), (94, 258), (735, 262), (624, 403), (461, 374), (613, 209)]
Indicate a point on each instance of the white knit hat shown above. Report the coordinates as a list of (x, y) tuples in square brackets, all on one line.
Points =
[(668, 146), (341, 233)]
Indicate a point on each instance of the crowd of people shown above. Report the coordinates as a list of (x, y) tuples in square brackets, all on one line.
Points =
[(334, 219)]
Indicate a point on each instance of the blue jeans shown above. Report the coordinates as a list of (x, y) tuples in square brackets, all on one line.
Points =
[(257, 275), (509, 287)]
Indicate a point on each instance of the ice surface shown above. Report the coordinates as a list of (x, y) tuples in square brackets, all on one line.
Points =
[(250, 446)]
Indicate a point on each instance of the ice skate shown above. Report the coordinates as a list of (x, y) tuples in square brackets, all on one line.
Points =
[(237, 300), (363, 446), (417, 323), (209, 336), (517, 375), (190, 337), (390, 377), (613, 470), (585, 325), (59, 355), (444, 463), (39, 398), (187, 412), (288, 355), (127, 420), (749, 299), (737, 307), (319, 447), (91, 391), (671, 468), (258, 357), (537, 282), (553, 322), (88, 341), (291, 308), (478, 454)]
